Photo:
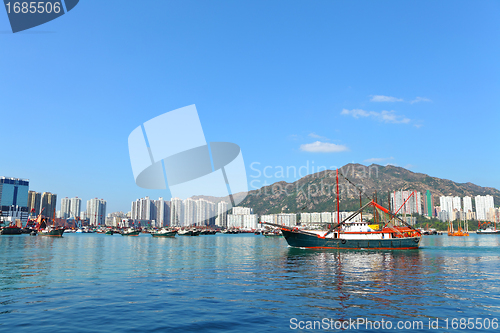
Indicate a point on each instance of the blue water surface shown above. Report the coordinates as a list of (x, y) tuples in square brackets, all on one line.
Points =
[(239, 283)]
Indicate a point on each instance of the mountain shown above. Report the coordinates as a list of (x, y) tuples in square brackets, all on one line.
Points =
[(316, 192)]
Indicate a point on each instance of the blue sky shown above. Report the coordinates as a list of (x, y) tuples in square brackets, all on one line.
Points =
[(293, 83)]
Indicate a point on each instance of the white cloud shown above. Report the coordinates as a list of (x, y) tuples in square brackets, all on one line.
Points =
[(378, 159), (420, 99), (382, 98), (323, 147), (384, 116), (316, 136)]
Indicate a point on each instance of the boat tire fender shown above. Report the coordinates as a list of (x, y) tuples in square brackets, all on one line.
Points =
[(416, 240), (343, 241)]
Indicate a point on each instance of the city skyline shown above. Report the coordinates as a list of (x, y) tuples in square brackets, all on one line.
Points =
[(316, 89)]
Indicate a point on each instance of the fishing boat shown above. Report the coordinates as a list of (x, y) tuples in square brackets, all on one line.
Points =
[(11, 230), (44, 229), (188, 232), (485, 229), (459, 232), (164, 233), (488, 231), (395, 234), (110, 232), (52, 231), (130, 232)]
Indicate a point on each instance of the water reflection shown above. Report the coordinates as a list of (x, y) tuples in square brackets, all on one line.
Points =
[(219, 278)]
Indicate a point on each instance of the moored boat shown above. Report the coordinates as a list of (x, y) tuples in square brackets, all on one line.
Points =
[(164, 233), (488, 231), (272, 233), (188, 232), (130, 232), (11, 230), (51, 231), (395, 234)]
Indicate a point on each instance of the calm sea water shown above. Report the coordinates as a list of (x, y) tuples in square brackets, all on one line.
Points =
[(93, 283)]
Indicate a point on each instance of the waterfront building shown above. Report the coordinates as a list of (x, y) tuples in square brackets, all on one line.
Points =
[(115, 219), (446, 204), (48, 205), (289, 220), (467, 205), (75, 207), (483, 205), (162, 209), (457, 203), (65, 208), (443, 216), (190, 212), (242, 211), (96, 211), (176, 212), (428, 204), (222, 208), (34, 200), (204, 212), (14, 199), (305, 218), (250, 221), (235, 220), (412, 205)]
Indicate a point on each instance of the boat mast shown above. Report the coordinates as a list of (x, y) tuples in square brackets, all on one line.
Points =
[(338, 198)]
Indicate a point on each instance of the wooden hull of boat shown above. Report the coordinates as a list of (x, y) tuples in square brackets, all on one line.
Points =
[(297, 239)]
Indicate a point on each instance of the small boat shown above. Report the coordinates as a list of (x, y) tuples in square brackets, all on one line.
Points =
[(110, 232), (488, 231), (164, 233), (272, 233), (11, 230), (131, 232), (208, 232), (188, 232), (459, 232), (51, 231)]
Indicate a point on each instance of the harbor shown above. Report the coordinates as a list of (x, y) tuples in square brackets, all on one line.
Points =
[(257, 283)]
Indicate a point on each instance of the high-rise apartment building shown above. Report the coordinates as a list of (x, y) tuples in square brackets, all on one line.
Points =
[(34, 201), (176, 212), (65, 208), (467, 205), (48, 205), (242, 211), (428, 204), (412, 201), (222, 208), (162, 208), (190, 212), (483, 205), (96, 211), (446, 204), (75, 207)]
